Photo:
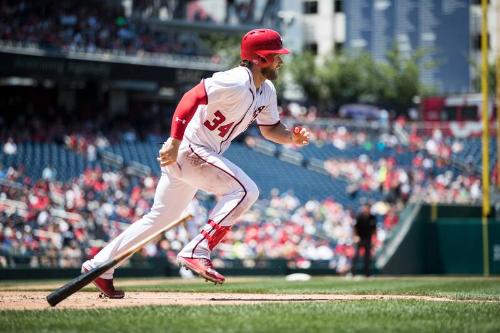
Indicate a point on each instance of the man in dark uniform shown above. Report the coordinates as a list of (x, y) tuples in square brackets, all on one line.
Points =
[(364, 229)]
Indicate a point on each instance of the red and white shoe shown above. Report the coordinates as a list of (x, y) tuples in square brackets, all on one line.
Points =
[(203, 267), (106, 287)]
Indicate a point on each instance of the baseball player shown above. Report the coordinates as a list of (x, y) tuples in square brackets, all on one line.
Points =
[(206, 120)]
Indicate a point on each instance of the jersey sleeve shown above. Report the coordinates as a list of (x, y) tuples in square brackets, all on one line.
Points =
[(224, 89), (270, 115), (186, 109)]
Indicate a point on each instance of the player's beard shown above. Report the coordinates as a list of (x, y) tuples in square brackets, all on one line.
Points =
[(269, 73)]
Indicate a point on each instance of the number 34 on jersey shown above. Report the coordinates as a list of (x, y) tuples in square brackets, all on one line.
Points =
[(217, 123)]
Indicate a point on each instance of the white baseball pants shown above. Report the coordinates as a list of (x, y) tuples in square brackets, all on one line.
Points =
[(196, 168)]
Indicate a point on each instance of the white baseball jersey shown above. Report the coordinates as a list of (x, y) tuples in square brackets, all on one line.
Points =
[(233, 104)]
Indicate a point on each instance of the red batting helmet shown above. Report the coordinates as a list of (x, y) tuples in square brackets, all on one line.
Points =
[(259, 46)]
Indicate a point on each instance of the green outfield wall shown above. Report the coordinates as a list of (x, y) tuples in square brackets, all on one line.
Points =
[(152, 267), (447, 239)]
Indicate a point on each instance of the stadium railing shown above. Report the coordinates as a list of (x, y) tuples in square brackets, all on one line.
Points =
[(120, 56)]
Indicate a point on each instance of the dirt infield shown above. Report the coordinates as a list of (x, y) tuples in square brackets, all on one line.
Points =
[(27, 295), (35, 300)]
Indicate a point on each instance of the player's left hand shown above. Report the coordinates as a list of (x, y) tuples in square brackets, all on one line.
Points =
[(300, 136), (168, 152)]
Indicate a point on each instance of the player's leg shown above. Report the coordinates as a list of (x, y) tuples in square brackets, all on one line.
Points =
[(356, 257), (236, 192), (171, 198)]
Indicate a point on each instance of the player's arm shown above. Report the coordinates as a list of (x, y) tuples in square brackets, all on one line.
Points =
[(182, 116), (280, 134)]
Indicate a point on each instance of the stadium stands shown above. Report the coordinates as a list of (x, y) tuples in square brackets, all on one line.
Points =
[(35, 157), (92, 28), (471, 154), (71, 208), (61, 219)]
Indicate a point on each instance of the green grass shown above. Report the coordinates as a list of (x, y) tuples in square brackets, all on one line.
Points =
[(459, 288), (481, 313), (345, 316)]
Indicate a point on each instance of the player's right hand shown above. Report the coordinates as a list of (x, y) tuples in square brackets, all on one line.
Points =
[(168, 152), (300, 136)]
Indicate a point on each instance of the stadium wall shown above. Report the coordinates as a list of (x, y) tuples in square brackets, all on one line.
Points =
[(446, 239), (152, 267)]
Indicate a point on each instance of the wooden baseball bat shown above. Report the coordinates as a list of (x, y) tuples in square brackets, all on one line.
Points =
[(81, 281)]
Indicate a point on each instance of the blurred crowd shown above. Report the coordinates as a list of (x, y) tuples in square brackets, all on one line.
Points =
[(398, 183), (342, 137), (42, 221), (283, 227), (434, 172), (53, 223), (236, 13), (32, 115), (71, 26)]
